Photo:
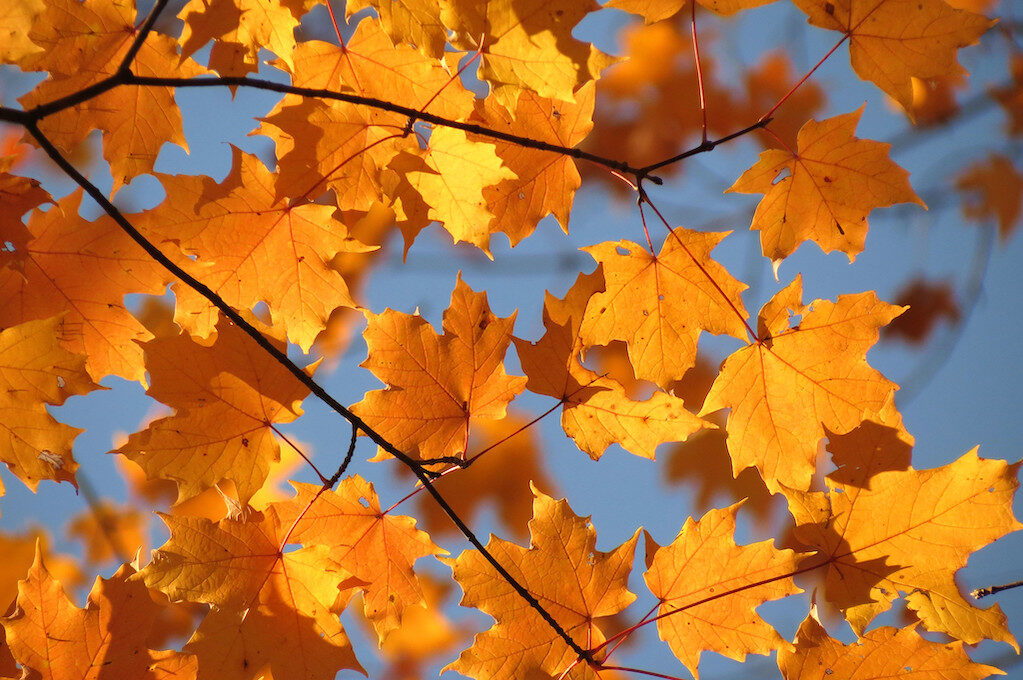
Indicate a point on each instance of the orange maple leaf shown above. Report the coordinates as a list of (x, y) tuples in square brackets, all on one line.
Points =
[(831, 184), (18, 195), (53, 639), (379, 550), (415, 22), (792, 383), (933, 521), (438, 384), (272, 610), (371, 65), (880, 653), (993, 190), (239, 29), (36, 370), (891, 41), (544, 183), (83, 270), (562, 569), (228, 396), (251, 247), (709, 588), (83, 43), (597, 411), (658, 304)]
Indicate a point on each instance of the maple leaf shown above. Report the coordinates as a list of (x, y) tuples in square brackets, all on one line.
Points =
[(929, 303), (658, 304), (272, 609), (709, 589), (252, 247), (1011, 97), (883, 652), (792, 383), (19, 15), (337, 146), (228, 396), (544, 183), (993, 190), (85, 42), (596, 410), (83, 270), (459, 170), (239, 29), (36, 370), (891, 41), (832, 183), (370, 65), (527, 45), (51, 638), (378, 549), (438, 384), (18, 195), (934, 520), (416, 22), (577, 584)]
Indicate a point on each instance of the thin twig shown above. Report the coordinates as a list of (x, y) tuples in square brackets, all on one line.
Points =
[(991, 590)]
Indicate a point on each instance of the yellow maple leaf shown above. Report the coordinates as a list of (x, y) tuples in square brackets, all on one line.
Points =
[(272, 610), (658, 304), (577, 584), (459, 172), (416, 22), (240, 28), (891, 41), (831, 184), (792, 383), (933, 521), (880, 653), (544, 183), (526, 45), (709, 588)]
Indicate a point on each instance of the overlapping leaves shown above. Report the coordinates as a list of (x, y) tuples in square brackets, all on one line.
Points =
[(281, 238)]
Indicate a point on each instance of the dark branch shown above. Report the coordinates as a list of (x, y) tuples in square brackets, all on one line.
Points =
[(703, 147), (412, 114), (991, 590), (140, 37)]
